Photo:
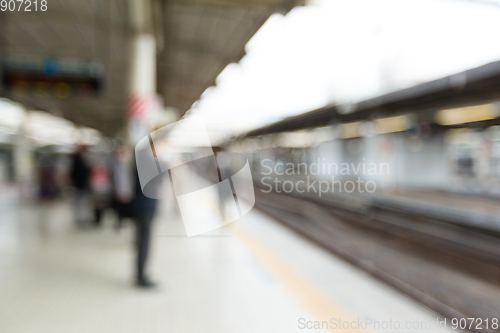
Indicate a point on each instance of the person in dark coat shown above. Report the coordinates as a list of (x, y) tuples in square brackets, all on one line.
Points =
[(80, 173), (130, 202), (144, 210)]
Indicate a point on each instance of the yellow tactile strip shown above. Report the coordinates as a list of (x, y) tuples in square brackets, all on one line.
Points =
[(321, 307)]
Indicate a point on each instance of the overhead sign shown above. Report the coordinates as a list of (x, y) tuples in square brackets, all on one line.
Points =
[(52, 77)]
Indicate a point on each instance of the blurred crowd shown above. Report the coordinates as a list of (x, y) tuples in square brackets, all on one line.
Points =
[(101, 182)]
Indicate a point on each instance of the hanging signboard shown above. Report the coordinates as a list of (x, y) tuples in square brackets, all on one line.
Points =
[(52, 77)]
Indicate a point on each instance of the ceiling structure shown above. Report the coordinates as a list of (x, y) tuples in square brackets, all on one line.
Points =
[(78, 31), (196, 39), (203, 36)]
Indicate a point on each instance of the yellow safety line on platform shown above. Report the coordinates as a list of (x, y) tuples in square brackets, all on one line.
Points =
[(322, 308)]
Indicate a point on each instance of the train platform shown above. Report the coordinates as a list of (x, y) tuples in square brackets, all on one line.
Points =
[(253, 275), (465, 209)]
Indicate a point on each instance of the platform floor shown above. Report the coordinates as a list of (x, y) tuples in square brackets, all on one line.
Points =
[(252, 276)]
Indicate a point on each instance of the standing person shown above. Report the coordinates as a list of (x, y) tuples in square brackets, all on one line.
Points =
[(144, 210), (129, 201), (100, 185), (48, 179), (80, 173), (123, 181)]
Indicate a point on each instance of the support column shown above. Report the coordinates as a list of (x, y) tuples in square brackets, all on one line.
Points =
[(143, 99)]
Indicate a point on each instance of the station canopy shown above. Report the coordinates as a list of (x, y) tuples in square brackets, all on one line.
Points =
[(87, 44)]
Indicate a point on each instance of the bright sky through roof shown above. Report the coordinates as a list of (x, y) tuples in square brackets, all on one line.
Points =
[(333, 52)]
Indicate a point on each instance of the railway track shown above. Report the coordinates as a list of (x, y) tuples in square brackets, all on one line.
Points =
[(452, 270)]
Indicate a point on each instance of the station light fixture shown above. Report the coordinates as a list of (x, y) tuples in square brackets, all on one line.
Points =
[(324, 134), (467, 114), (297, 139), (46, 128), (352, 130), (12, 116), (391, 124)]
